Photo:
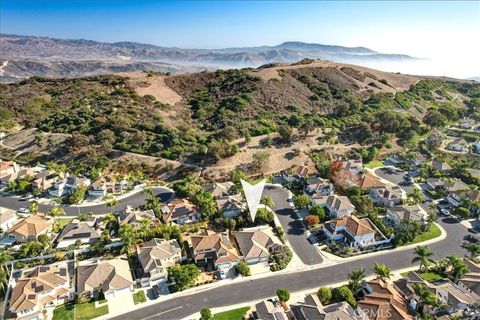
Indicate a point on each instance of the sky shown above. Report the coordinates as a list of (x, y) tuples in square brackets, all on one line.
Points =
[(447, 33)]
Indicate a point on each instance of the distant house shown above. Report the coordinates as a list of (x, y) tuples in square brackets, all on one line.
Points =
[(8, 168), (112, 277), (352, 165), (269, 310), (458, 145), (395, 215), (99, 187), (20, 174), (470, 282), (386, 196), (441, 166), (43, 180), (231, 206), (181, 211), (68, 185), (338, 206), (255, 244), (82, 232), (214, 250), (155, 257), (300, 173), (449, 186), (467, 123), (7, 219), (219, 189), (43, 286), (134, 216), (369, 181), (312, 308), (29, 228), (320, 186), (352, 231), (382, 299)]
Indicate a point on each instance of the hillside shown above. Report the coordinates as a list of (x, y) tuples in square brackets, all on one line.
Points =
[(205, 117), (27, 56)]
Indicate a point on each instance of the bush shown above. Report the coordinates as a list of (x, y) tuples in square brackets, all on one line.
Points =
[(243, 269), (324, 294), (283, 294), (344, 294), (301, 201), (462, 212), (205, 313), (317, 211)]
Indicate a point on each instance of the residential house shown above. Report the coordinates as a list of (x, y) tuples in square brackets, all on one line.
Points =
[(112, 277), (459, 145), (43, 286), (476, 147), (300, 173), (382, 301), (269, 310), (20, 174), (454, 297), (352, 165), (7, 219), (353, 231), (418, 159), (338, 206), (441, 166), (255, 244), (219, 189), (449, 186), (180, 211), (467, 123), (320, 186), (68, 185), (474, 197), (100, 186), (214, 251), (386, 196), (78, 232), (43, 180), (470, 282), (9, 171), (312, 308), (134, 216), (369, 181), (231, 206), (155, 257), (29, 228), (395, 215)]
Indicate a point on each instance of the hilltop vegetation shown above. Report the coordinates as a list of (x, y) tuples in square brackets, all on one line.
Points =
[(105, 112)]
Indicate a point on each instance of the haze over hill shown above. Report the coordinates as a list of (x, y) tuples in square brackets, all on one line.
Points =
[(43, 56)]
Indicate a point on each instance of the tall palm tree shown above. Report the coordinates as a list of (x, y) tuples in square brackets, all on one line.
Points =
[(111, 222), (473, 250), (56, 211), (34, 207), (382, 272), (458, 267), (422, 254), (145, 228), (354, 280), (425, 298), (128, 235), (3, 280)]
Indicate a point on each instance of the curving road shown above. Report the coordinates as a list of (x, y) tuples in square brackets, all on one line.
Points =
[(134, 200)]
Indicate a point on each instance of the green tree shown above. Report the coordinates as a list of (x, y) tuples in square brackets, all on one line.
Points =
[(55, 212), (205, 313), (415, 197), (184, 276), (301, 201), (324, 294), (473, 250), (267, 201), (382, 272), (458, 267), (344, 294), (260, 159), (78, 195), (34, 207), (111, 222), (355, 279), (425, 298), (243, 269), (285, 133), (128, 235), (318, 211), (422, 254), (283, 294)]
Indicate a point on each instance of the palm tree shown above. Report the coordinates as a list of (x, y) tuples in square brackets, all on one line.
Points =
[(145, 228), (56, 211), (422, 254), (382, 272), (112, 202), (354, 280), (4, 257), (111, 222), (458, 267), (473, 250), (432, 217), (267, 201), (128, 236), (425, 298), (3, 279), (34, 207)]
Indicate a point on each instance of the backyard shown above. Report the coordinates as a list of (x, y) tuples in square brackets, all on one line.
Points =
[(83, 311)]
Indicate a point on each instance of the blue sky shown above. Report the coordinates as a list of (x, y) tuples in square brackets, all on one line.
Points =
[(423, 29)]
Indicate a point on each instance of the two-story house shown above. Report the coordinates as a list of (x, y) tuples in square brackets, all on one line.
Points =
[(458, 145), (255, 244), (155, 257), (181, 211), (29, 228), (82, 232), (338, 206), (320, 186), (386, 196), (395, 215), (354, 232)]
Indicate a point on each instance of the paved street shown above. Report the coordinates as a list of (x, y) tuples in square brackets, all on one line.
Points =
[(134, 200), (184, 306), (294, 229)]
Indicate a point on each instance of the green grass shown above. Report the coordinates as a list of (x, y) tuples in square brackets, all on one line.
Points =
[(235, 314), (374, 164), (139, 297), (83, 311), (431, 233), (429, 276)]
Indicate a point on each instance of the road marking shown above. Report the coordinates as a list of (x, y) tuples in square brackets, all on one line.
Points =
[(167, 311)]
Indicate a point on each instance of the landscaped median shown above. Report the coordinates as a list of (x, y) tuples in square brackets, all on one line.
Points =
[(432, 233), (82, 311)]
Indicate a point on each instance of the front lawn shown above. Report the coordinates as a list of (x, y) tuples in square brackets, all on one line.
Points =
[(430, 276), (374, 164), (83, 311), (235, 314), (431, 233), (139, 297)]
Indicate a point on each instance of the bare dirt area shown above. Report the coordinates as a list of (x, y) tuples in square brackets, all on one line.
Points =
[(154, 85), (282, 157)]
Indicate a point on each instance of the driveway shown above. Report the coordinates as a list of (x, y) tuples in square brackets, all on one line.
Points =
[(135, 200), (294, 229)]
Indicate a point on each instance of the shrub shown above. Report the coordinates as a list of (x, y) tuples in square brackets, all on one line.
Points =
[(283, 294), (344, 294), (243, 269), (324, 294), (205, 313)]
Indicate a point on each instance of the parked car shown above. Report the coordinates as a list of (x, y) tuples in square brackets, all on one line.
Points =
[(23, 210), (473, 238), (156, 292), (444, 211)]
